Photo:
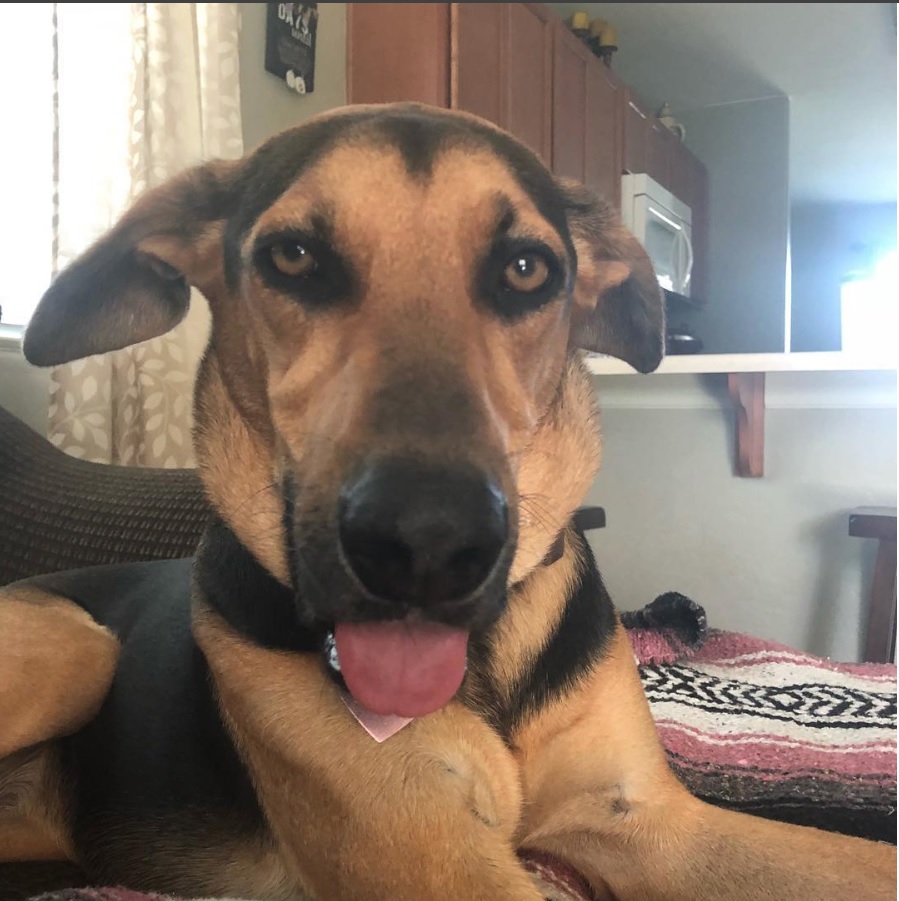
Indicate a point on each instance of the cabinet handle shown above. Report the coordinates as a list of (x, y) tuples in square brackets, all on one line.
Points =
[(636, 109)]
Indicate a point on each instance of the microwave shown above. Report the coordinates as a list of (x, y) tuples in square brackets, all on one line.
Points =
[(663, 225)]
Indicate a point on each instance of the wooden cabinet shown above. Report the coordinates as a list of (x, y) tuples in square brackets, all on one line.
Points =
[(528, 53), (519, 66), (648, 146), (586, 118), (398, 51), (658, 152), (635, 135), (478, 73), (490, 59), (680, 169), (501, 68)]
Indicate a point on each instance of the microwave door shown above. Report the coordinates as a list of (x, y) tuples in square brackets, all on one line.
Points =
[(684, 262), (663, 241)]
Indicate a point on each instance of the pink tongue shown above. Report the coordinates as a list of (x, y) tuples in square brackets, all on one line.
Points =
[(401, 668)]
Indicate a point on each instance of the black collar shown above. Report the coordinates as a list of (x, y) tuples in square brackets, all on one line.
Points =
[(254, 602), (250, 599), (556, 550), (584, 520)]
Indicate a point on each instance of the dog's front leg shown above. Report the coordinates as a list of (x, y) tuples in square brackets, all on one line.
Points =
[(56, 666), (600, 795), (428, 814)]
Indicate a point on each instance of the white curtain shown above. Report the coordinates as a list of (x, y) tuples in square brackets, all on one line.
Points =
[(142, 90)]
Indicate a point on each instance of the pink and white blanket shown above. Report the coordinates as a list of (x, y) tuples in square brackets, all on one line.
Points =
[(757, 726)]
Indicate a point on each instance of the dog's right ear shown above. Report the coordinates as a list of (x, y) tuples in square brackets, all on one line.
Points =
[(618, 307), (134, 283)]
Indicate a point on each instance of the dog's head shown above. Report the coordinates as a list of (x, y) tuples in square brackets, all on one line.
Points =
[(392, 414)]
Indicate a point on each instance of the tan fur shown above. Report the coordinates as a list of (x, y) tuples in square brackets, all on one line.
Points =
[(20, 839), (431, 813), (56, 665), (32, 807), (326, 373), (439, 809)]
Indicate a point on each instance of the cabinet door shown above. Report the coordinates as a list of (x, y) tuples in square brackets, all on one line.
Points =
[(570, 106), (635, 150), (501, 68), (603, 116), (658, 153), (398, 51), (680, 171), (478, 82), (586, 118), (529, 72)]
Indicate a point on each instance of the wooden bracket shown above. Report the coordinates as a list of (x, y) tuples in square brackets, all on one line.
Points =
[(747, 389)]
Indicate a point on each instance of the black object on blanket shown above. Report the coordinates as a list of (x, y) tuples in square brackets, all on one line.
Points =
[(672, 615)]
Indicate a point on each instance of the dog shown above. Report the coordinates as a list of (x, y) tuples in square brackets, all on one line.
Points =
[(394, 427)]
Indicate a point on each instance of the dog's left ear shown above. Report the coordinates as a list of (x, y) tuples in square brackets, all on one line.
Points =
[(618, 306), (134, 283)]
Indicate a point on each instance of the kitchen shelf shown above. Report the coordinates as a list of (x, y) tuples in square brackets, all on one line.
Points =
[(696, 364), (746, 385)]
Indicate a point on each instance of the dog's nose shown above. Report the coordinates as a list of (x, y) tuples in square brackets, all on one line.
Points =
[(418, 534)]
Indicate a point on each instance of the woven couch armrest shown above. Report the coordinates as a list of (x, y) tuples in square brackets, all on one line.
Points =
[(58, 512)]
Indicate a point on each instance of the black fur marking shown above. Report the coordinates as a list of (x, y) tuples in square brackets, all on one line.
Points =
[(156, 762), (271, 170), (289, 493), (249, 598), (417, 140), (114, 295), (332, 280), (509, 304), (579, 640)]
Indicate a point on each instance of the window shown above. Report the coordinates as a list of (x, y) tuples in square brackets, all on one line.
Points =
[(65, 87), (26, 157)]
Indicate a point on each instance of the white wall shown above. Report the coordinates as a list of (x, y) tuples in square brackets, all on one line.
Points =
[(267, 104), (745, 147), (772, 556)]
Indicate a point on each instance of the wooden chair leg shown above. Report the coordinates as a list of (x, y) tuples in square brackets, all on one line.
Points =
[(879, 523), (880, 644)]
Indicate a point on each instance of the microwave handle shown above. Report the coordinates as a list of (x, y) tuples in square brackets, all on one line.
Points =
[(688, 247)]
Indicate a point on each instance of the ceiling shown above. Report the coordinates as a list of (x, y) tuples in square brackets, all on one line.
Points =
[(835, 61)]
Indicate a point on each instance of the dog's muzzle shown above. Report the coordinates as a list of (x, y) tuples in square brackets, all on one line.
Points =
[(429, 548)]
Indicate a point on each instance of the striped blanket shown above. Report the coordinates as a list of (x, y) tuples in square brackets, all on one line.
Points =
[(747, 724), (760, 727)]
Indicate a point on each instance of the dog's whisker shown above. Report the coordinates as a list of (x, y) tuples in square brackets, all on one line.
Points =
[(271, 486), (537, 508)]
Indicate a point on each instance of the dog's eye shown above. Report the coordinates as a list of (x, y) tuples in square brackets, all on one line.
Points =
[(291, 258), (526, 273), (519, 276)]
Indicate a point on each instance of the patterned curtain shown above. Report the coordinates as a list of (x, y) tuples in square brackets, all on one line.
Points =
[(142, 90)]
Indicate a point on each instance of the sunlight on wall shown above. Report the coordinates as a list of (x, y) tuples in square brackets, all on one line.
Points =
[(868, 309)]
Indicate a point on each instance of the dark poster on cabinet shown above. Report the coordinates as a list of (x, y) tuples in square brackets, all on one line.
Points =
[(290, 44)]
